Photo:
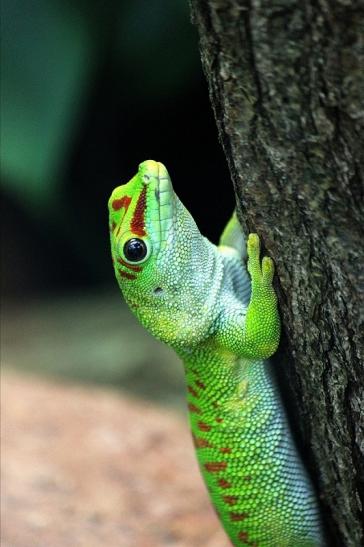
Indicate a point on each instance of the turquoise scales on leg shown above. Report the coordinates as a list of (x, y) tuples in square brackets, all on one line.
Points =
[(223, 322)]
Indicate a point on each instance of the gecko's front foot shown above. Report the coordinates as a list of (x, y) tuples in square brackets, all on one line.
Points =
[(262, 327), (261, 272)]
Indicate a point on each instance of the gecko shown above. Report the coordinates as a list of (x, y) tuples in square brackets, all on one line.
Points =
[(216, 307)]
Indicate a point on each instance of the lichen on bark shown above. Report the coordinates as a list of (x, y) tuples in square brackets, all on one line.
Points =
[(286, 83)]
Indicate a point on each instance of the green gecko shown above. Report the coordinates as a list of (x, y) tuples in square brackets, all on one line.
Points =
[(222, 320)]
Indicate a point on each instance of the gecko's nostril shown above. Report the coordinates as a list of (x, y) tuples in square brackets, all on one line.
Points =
[(148, 170)]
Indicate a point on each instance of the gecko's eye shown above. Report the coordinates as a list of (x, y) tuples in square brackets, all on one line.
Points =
[(135, 250)]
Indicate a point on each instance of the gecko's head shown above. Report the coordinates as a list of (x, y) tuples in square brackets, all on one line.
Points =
[(161, 260)]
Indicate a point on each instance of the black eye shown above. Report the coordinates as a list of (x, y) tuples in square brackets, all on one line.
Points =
[(135, 250)]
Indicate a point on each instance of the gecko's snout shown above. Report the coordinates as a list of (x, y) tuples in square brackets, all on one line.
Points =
[(162, 171), (150, 170)]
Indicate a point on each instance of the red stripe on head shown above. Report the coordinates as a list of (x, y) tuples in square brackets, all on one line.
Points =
[(130, 266), (120, 203), (137, 223), (127, 275)]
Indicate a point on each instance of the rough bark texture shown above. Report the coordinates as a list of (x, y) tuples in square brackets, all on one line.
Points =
[(286, 79)]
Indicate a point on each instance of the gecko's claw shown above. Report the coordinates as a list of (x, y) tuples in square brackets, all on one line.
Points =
[(253, 250), (253, 245), (267, 270)]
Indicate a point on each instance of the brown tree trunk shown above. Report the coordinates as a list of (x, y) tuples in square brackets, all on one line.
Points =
[(286, 81)]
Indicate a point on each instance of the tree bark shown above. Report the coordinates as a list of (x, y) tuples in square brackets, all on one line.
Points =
[(286, 79)]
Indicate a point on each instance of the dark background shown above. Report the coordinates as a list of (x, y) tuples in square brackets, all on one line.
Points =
[(89, 90)]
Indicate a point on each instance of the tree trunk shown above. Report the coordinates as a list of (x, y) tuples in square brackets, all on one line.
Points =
[(286, 79)]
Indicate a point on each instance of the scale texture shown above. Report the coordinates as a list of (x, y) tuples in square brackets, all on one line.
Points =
[(221, 317)]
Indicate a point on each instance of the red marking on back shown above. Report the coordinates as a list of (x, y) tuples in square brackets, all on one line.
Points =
[(113, 226), (127, 275), (215, 467), (201, 443), (224, 483), (193, 408), (230, 500), (203, 427), (131, 266), (225, 450), (244, 537), (137, 223), (235, 517), (192, 391), (199, 384), (219, 420), (120, 203)]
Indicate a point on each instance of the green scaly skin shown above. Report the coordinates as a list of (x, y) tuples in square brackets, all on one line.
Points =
[(223, 322)]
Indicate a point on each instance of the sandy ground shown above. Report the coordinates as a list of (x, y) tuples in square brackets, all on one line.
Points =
[(88, 467)]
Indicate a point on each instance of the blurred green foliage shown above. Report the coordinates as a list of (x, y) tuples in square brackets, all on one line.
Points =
[(51, 49), (45, 65)]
